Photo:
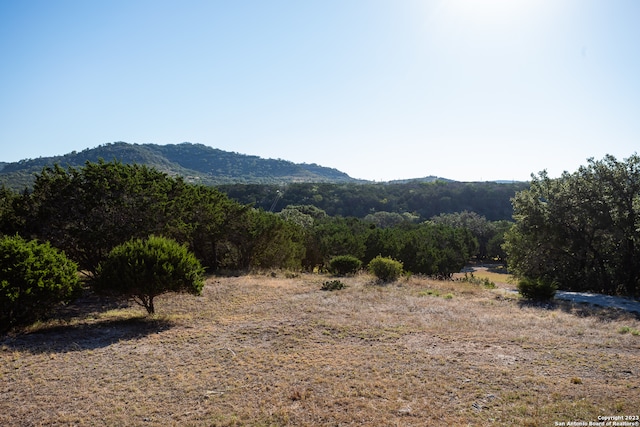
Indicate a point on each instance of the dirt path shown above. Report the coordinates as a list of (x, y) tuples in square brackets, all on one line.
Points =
[(502, 281), (600, 300)]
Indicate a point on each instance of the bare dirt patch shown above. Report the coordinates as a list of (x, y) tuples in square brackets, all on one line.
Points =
[(265, 351), (498, 275)]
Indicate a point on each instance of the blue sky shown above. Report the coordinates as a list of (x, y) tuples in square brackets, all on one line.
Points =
[(381, 89)]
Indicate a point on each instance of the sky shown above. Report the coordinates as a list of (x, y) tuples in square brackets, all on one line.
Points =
[(471, 90)]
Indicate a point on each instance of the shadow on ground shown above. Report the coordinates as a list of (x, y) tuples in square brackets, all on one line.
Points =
[(582, 309), (81, 326), (85, 336)]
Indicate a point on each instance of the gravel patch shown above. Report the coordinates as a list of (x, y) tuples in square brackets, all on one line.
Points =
[(622, 303)]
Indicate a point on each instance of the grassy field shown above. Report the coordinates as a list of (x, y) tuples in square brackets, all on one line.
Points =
[(276, 351)]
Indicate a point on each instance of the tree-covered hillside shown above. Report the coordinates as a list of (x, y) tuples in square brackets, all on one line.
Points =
[(274, 184), (87, 212), (195, 162), (424, 199)]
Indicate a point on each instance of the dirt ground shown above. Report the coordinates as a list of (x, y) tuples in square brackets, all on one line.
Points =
[(277, 351)]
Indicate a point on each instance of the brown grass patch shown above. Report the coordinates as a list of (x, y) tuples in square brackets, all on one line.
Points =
[(265, 351), (494, 273)]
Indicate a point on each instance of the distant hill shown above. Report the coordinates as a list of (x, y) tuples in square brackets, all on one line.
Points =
[(430, 178), (194, 162)]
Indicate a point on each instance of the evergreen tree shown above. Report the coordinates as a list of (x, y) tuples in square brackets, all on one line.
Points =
[(582, 230), (142, 269)]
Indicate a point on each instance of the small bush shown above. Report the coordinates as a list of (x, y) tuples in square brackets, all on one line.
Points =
[(470, 278), (34, 278), (142, 269), (429, 292), (385, 269), (537, 289), (488, 284), (627, 329), (332, 285), (344, 264)]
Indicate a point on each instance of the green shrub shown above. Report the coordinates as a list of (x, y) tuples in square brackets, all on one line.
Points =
[(537, 289), (344, 264), (429, 292), (385, 269), (628, 329), (470, 278), (488, 284), (332, 285), (142, 269), (34, 278)]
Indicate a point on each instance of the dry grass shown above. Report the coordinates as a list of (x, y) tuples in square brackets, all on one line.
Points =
[(494, 273), (264, 351)]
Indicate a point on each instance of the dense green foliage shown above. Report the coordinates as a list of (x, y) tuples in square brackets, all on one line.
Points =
[(537, 289), (426, 248), (343, 265), (34, 278), (489, 234), (437, 250), (581, 230), (385, 269), (11, 218), (385, 219), (267, 241), (429, 249), (90, 210), (411, 201), (142, 269), (340, 236)]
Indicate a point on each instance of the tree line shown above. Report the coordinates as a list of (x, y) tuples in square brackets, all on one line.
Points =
[(88, 211), (580, 231), (137, 232), (422, 199)]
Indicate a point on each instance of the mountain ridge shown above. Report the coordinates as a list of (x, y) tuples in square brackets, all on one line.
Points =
[(194, 162)]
